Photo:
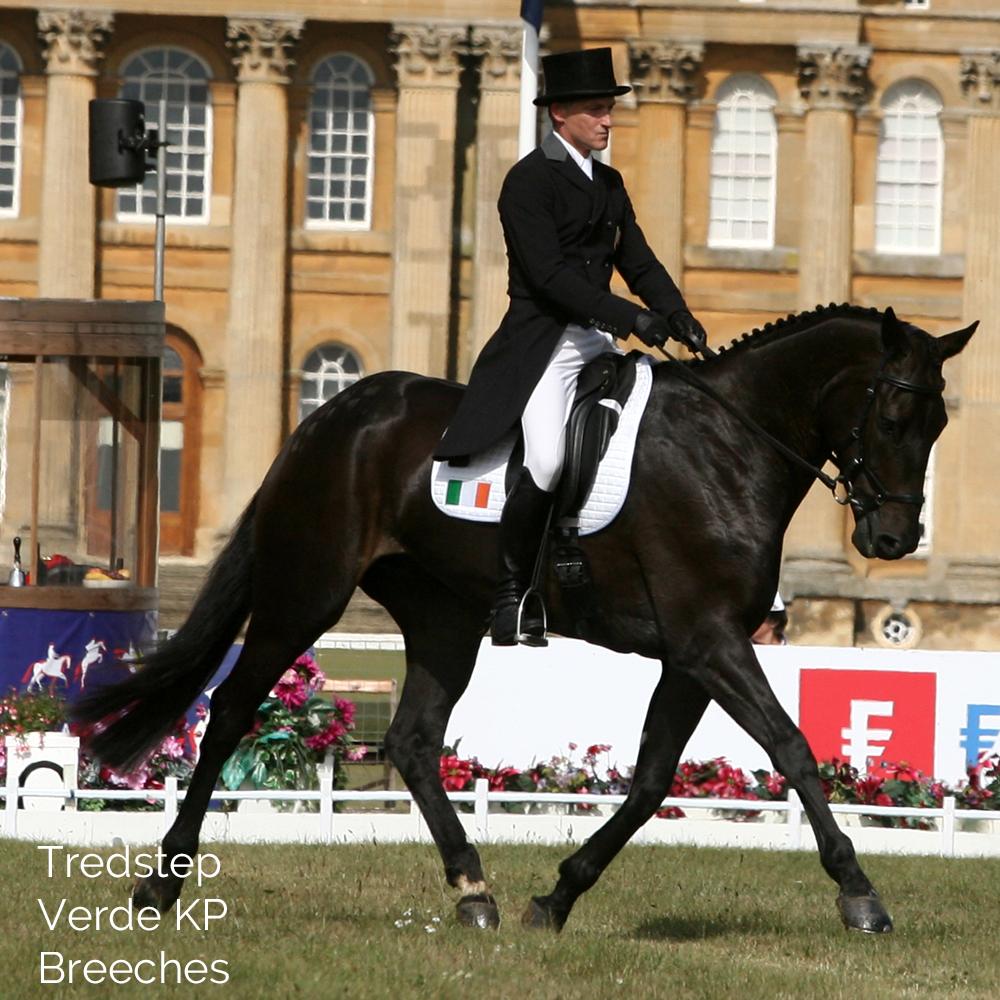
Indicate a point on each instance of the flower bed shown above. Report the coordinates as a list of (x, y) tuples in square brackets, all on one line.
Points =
[(892, 785), (293, 731)]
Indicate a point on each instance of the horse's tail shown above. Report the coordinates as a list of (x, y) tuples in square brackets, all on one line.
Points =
[(27, 673), (131, 718)]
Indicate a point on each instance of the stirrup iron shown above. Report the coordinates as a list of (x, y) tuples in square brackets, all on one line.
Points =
[(531, 638)]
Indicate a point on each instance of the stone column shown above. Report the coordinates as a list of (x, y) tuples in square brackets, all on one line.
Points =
[(976, 424), (663, 75), (73, 44), (427, 64), (833, 82), (261, 51), (496, 152)]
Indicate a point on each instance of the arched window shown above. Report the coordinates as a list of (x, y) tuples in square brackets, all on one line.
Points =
[(341, 144), (327, 370), (10, 131), (744, 165), (181, 80), (910, 170)]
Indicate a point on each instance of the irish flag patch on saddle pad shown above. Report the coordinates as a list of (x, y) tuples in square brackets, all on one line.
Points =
[(476, 492)]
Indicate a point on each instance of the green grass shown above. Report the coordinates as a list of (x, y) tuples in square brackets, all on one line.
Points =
[(676, 922)]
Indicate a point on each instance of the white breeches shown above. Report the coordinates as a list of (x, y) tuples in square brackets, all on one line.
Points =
[(544, 420)]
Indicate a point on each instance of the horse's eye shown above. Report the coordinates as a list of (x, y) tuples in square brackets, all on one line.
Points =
[(886, 425)]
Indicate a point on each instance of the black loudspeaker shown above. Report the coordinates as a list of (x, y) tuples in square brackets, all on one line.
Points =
[(117, 142)]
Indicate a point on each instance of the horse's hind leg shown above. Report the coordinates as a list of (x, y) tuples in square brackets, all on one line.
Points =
[(676, 707), (442, 634)]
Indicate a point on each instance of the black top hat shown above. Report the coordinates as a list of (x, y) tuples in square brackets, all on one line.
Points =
[(570, 76)]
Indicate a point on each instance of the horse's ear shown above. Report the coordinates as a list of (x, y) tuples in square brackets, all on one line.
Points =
[(894, 335), (949, 345)]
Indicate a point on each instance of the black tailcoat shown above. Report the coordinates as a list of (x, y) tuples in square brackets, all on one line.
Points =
[(564, 233)]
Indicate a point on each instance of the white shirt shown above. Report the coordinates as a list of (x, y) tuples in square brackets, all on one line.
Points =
[(585, 163)]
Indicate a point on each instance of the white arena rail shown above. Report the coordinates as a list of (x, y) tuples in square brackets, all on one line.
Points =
[(550, 819)]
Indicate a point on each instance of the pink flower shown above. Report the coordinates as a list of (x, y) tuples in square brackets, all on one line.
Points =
[(333, 732), (346, 710), (291, 690), (172, 747), (356, 752), (308, 670)]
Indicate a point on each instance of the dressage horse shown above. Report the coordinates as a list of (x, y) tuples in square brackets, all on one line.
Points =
[(54, 667), (683, 575)]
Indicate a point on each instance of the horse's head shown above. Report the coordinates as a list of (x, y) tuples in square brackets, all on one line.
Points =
[(903, 412)]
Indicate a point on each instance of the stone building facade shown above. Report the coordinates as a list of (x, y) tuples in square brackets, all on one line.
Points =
[(332, 213)]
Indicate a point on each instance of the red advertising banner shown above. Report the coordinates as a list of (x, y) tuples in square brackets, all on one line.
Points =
[(869, 716)]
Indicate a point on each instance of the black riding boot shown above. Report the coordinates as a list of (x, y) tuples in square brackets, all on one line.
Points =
[(522, 527)]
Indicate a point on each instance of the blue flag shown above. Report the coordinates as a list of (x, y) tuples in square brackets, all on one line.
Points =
[(531, 11)]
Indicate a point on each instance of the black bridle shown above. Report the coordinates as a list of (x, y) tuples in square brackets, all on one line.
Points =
[(857, 466), (841, 486)]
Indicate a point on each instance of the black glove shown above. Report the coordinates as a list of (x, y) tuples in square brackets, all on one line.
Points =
[(685, 328), (651, 328)]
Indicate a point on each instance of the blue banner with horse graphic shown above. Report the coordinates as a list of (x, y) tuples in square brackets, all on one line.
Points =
[(66, 651)]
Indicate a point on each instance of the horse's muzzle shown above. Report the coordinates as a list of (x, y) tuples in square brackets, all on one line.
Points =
[(877, 540)]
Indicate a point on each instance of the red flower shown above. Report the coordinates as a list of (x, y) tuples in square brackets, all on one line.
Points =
[(869, 790), (455, 773), (775, 783), (670, 812), (901, 771)]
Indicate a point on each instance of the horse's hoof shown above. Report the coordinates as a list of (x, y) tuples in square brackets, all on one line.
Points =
[(539, 916), (161, 896), (480, 911), (864, 913)]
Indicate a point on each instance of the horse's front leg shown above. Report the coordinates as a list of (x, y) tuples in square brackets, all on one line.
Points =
[(725, 664), (675, 709)]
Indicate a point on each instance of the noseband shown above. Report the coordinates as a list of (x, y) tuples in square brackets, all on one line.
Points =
[(843, 485)]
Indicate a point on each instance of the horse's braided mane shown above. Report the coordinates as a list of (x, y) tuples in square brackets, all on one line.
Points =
[(792, 323)]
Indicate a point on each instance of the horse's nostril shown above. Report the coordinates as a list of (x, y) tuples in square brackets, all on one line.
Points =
[(888, 546)]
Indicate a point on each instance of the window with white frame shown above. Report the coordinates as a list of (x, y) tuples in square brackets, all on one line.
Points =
[(917, 4), (923, 549), (326, 371), (341, 144), (743, 164), (10, 131), (910, 170), (179, 79)]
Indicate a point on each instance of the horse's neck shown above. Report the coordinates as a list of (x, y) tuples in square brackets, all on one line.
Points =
[(781, 382)]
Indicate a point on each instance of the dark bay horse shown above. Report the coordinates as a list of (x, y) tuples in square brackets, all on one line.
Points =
[(683, 575)]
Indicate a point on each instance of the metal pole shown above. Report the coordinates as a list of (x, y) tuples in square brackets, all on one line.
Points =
[(161, 202)]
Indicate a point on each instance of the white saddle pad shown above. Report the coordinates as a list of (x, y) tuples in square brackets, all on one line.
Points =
[(475, 492)]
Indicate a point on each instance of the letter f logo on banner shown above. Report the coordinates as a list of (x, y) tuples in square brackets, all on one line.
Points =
[(861, 746)]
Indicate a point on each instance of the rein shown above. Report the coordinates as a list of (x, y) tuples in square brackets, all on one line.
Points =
[(842, 485)]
